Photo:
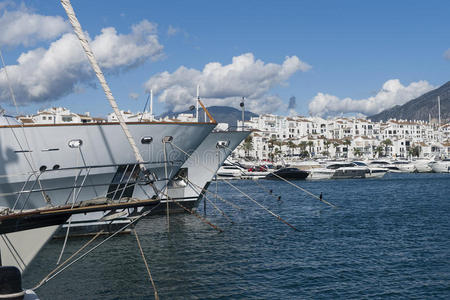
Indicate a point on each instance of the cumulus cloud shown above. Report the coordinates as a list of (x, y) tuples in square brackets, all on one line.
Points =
[(225, 84), (392, 93), (447, 54), (21, 27), (48, 74)]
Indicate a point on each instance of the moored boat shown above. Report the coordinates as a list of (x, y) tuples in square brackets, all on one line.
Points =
[(288, 173)]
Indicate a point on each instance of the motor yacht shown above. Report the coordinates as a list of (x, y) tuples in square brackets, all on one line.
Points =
[(441, 166), (372, 172)]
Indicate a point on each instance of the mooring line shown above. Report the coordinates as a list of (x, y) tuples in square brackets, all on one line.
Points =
[(302, 189), (215, 206), (306, 191), (146, 264), (198, 216), (262, 206), (214, 194), (256, 181), (60, 267)]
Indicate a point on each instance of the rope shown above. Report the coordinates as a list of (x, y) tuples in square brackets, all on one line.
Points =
[(306, 191), (215, 206), (302, 189), (146, 264), (260, 205), (214, 194), (60, 268), (30, 160), (101, 78), (192, 212), (48, 277)]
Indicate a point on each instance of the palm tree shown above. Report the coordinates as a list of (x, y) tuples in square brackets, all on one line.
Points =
[(357, 152), (310, 145), (337, 150), (291, 146), (347, 142), (386, 143), (248, 145), (379, 150), (326, 143)]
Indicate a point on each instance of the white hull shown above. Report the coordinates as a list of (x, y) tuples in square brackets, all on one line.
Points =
[(199, 168), (103, 144), (441, 167), (320, 173)]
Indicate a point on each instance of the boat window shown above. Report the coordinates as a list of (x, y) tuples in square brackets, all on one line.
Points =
[(146, 140), (75, 143)]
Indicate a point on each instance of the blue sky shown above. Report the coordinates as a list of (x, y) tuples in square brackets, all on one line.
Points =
[(357, 56)]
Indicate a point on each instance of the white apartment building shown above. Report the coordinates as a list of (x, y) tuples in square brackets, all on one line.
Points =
[(343, 137), (58, 115)]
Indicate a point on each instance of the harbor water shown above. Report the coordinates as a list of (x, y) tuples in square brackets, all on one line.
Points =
[(388, 238)]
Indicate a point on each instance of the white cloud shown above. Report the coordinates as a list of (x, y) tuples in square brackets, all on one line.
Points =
[(172, 30), (226, 84), (447, 54), (133, 96), (392, 93), (48, 74), (22, 27)]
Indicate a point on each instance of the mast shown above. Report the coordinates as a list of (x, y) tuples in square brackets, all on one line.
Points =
[(151, 103), (90, 55), (198, 99)]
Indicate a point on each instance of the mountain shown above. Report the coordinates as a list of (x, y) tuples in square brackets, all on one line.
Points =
[(222, 114), (420, 108)]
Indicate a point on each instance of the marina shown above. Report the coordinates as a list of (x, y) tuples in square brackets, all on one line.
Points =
[(221, 187)]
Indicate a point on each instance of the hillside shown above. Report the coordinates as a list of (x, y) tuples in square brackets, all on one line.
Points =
[(222, 114), (420, 108)]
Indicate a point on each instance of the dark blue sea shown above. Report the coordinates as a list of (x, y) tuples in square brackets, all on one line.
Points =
[(388, 238)]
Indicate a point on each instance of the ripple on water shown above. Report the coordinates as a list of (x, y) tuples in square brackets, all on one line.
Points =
[(389, 238)]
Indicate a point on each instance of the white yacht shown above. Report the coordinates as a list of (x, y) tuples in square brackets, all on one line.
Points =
[(230, 171), (372, 172), (404, 166), (441, 166), (422, 164), (346, 170), (186, 188), (63, 158), (385, 165)]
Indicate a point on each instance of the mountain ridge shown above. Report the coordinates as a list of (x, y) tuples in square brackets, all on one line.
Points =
[(420, 108)]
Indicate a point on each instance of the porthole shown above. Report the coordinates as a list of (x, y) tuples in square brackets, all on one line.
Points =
[(167, 139), (146, 140), (75, 143), (43, 168), (56, 167)]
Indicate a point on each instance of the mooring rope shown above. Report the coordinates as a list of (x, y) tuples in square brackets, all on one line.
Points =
[(253, 200), (262, 206), (303, 189), (218, 209), (60, 268), (194, 213), (214, 194), (146, 265)]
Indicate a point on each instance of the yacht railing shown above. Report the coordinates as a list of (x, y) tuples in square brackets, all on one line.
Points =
[(130, 176)]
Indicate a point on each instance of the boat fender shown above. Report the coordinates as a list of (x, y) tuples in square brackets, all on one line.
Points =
[(10, 283)]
